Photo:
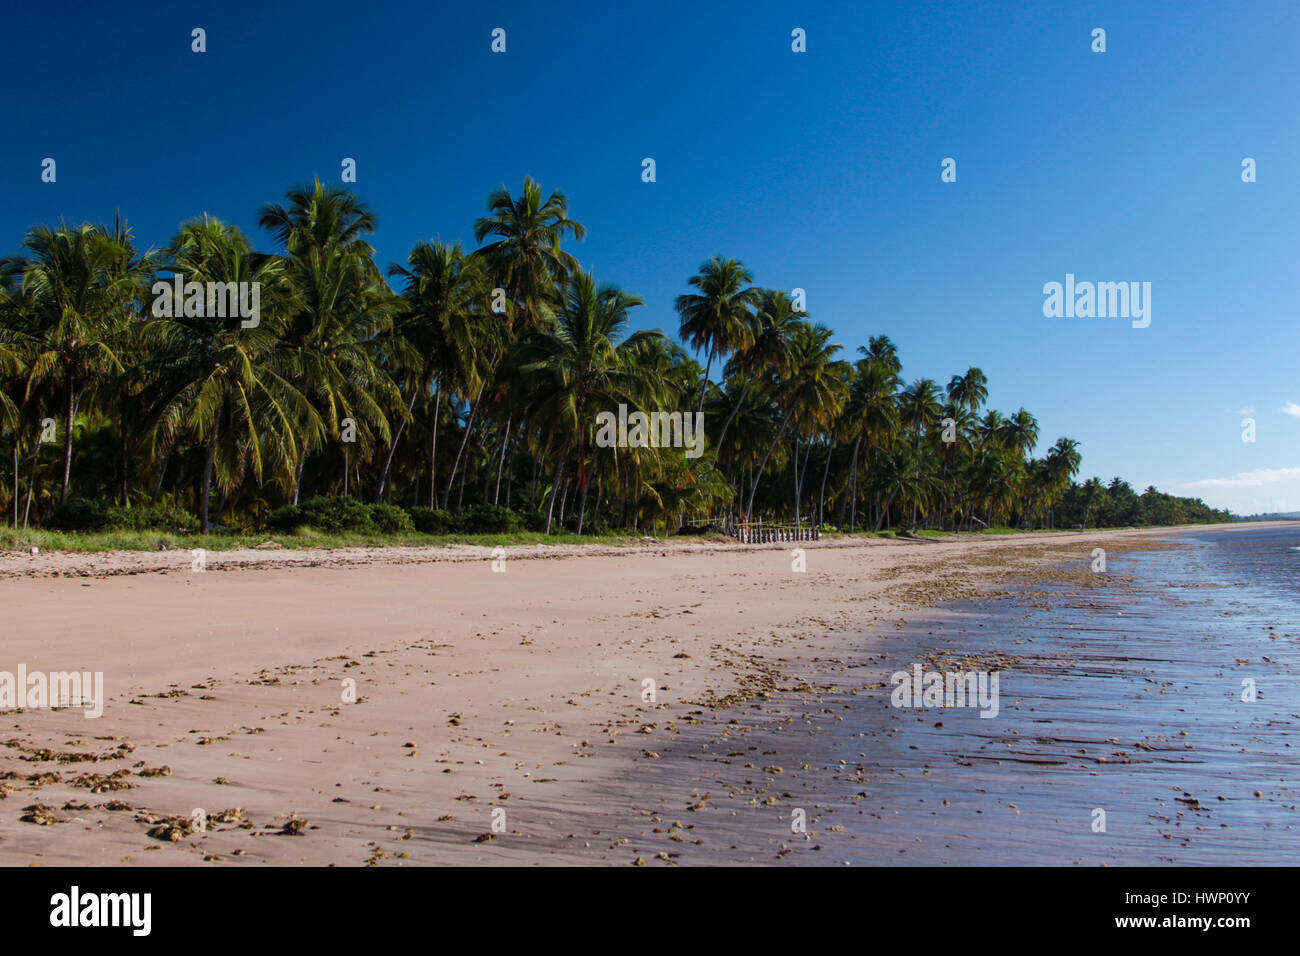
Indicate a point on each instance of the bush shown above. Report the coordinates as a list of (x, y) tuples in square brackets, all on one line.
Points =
[(331, 515), (486, 519), (152, 518), (430, 520), (391, 519), (78, 514)]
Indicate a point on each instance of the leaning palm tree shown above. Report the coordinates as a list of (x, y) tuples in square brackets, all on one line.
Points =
[(82, 285), (719, 318), (770, 350), (579, 366)]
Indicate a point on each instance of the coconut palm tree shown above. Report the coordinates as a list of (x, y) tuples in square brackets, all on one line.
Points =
[(232, 388), (526, 254), (719, 318), (444, 294), (341, 308), (871, 413), (770, 350), (812, 383), (81, 285), (579, 366)]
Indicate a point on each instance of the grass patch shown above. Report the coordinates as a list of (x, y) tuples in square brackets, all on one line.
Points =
[(94, 541)]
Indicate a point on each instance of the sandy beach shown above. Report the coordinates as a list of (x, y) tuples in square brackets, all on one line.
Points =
[(515, 715)]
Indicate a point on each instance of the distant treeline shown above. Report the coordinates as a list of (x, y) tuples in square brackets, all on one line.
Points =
[(475, 380)]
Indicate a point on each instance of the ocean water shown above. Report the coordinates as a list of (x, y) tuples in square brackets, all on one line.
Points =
[(1150, 718), (1170, 705)]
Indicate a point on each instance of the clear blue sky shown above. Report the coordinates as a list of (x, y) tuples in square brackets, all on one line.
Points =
[(819, 170)]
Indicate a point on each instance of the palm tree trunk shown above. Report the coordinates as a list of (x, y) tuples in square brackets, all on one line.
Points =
[(496, 495), (15, 479), (297, 472), (392, 449), (162, 470), (67, 440), (582, 504), (734, 409), (555, 489), (433, 449), (31, 485), (205, 490), (469, 426), (821, 498), (880, 519), (704, 382), (126, 463), (853, 482), (753, 487)]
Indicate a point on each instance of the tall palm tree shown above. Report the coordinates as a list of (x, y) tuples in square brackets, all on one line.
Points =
[(232, 388), (81, 286), (444, 291), (579, 366), (341, 307), (719, 318), (526, 254), (871, 412), (969, 391), (812, 383), (770, 350)]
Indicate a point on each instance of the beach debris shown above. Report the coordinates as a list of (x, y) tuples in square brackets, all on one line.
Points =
[(40, 814), (103, 783)]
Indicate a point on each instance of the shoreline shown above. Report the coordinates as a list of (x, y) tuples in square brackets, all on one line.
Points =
[(99, 564), (477, 691)]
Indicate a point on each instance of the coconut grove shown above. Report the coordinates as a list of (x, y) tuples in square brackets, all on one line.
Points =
[(460, 392)]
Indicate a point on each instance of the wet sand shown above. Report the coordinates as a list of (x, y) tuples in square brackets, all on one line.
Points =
[(513, 698)]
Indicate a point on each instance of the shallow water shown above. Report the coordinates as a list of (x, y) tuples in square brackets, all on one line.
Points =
[(1126, 700)]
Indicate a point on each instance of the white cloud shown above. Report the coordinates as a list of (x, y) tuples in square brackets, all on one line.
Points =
[(1247, 479), (1290, 408)]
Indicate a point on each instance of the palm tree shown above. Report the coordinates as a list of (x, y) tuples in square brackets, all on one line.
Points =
[(526, 255), (718, 318), (81, 285), (969, 391), (579, 366), (527, 259), (770, 350), (811, 384), (232, 388), (443, 293), (341, 306), (871, 412)]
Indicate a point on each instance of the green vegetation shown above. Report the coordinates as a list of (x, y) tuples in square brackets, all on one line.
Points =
[(463, 401)]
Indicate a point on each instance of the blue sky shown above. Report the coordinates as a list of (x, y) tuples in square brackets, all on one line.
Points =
[(820, 170)]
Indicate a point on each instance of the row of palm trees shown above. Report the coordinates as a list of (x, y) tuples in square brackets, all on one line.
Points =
[(474, 378)]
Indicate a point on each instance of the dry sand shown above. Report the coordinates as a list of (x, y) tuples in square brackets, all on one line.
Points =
[(477, 691)]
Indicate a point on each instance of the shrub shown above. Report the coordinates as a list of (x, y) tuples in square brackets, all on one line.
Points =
[(152, 518), (486, 519), (331, 515), (430, 520), (78, 514), (391, 519)]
